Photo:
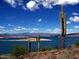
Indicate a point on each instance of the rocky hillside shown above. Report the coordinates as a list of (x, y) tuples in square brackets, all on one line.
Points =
[(69, 53)]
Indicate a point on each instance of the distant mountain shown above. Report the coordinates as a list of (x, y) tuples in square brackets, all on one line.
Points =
[(46, 35), (73, 34)]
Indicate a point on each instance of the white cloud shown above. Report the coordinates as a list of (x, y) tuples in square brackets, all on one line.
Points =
[(15, 3), (20, 29), (2, 27), (2, 31), (17, 29), (73, 30), (54, 31), (31, 32), (71, 18), (51, 3), (74, 19), (35, 29), (10, 25), (47, 3), (24, 28), (68, 22), (20, 2), (70, 31), (57, 31), (11, 2), (49, 30), (76, 27), (40, 20), (24, 8), (32, 5), (74, 13), (63, 2), (35, 4)]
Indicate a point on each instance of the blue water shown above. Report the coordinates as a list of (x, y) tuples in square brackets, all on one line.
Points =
[(6, 46)]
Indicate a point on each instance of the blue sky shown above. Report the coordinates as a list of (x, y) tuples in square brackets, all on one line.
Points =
[(37, 16)]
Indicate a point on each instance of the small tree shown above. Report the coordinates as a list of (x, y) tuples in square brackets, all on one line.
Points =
[(19, 50)]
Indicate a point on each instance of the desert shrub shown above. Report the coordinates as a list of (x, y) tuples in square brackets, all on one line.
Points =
[(19, 50), (70, 46), (77, 43), (55, 47), (46, 48)]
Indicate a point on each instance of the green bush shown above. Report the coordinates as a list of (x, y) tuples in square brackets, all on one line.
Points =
[(55, 47), (46, 49), (19, 50), (77, 43)]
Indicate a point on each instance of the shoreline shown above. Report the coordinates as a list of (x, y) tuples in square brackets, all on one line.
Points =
[(28, 39)]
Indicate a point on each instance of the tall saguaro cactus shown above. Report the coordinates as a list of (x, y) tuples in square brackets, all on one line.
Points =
[(38, 41), (29, 48), (63, 25)]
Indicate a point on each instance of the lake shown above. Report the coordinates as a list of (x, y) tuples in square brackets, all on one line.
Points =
[(7, 46)]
